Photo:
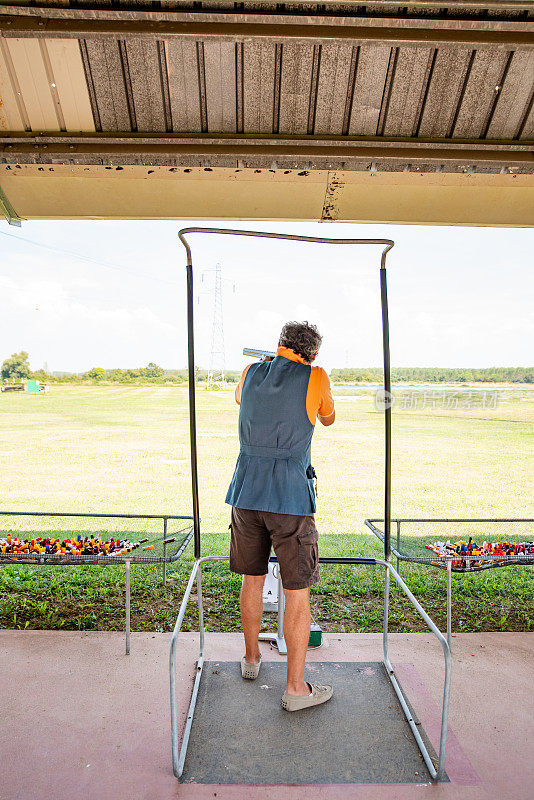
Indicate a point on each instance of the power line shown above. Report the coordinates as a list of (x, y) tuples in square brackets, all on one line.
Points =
[(89, 259)]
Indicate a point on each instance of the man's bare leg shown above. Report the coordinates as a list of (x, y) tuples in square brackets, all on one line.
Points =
[(251, 600), (297, 621)]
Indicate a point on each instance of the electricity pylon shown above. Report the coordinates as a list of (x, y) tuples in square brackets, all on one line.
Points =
[(216, 372)]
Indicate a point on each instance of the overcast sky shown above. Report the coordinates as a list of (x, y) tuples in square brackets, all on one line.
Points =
[(112, 294)]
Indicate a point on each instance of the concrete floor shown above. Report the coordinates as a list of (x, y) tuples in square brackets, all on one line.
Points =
[(82, 720)]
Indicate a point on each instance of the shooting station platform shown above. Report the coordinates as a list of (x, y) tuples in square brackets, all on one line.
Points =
[(100, 719), (242, 735)]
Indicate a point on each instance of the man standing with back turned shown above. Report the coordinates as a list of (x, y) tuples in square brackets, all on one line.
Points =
[(273, 499)]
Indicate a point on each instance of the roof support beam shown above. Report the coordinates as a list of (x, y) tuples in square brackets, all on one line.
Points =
[(70, 23), (137, 192), (221, 151), (480, 5)]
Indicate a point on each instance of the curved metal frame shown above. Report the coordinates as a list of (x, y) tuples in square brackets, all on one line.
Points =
[(388, 244), (179, 751)]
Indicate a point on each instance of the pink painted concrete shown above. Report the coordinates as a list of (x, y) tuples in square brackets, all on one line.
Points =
[(82, 720)]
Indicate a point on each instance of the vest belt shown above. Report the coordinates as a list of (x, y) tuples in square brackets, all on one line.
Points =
[(270, 452)]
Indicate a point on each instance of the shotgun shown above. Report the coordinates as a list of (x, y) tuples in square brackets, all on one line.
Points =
[(254, 352)]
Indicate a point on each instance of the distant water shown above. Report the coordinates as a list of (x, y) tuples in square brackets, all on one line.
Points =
[(503, 389)]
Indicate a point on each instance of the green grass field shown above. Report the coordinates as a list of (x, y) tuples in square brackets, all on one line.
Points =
[(125, 449)]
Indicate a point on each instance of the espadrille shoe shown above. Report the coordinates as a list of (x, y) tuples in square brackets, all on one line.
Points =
[(250, 671), (319, 694)]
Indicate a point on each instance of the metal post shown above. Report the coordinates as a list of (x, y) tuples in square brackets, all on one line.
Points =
[(385, 630), (398, 544), (449, 603), (270, 588), (387, 408), (192, 406), (164, 550), (127, 566)]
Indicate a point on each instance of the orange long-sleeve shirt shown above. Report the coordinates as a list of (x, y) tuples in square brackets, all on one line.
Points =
[(319, 396)]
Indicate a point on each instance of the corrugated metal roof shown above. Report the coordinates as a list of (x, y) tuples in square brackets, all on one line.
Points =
[(250, 86), (159, 86)]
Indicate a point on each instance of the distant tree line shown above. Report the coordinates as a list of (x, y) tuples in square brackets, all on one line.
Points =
[(152, 373), (435, 375), (149, 374), (17, 368)]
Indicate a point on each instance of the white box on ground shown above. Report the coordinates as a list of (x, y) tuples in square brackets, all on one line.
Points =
[(270, 588)]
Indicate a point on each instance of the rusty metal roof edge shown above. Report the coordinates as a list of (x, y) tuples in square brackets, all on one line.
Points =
[(266, 19), (184, 7), (32, 22), (46, 153), (257, 141)]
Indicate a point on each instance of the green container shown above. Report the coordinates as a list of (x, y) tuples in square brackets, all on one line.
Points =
[(316, 636), (32, 387)]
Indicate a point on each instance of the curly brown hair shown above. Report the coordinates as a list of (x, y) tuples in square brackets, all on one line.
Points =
[(301, 337)]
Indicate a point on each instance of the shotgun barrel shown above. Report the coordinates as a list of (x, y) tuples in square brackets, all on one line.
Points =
[(258, 353)]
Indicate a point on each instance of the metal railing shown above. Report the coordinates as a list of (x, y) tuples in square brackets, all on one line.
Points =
[(179, 750)]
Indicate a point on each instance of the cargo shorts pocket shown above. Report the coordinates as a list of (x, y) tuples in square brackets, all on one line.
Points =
[(308, 553)]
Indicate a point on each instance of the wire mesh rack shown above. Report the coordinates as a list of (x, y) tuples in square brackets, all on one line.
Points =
[(146, 544), (165, 536), (411, 539), (414, 545)]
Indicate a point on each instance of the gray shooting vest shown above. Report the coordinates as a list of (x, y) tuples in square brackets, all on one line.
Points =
[(275, 434)]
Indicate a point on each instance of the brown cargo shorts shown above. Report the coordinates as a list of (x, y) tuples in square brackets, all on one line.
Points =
[(295, 542)]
